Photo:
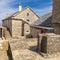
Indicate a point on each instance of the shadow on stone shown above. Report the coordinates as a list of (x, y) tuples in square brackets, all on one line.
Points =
[(44, 44), (33, 48), (9, 53)]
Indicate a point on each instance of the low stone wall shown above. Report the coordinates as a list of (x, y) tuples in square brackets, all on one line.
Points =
[(26, 55), (22, 49), (49, 43), (17, 44)]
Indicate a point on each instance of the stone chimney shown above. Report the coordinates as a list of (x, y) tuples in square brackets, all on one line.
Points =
[(20, 7)]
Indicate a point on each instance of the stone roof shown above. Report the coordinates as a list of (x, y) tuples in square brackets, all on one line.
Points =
[(43, 27), (44, 22)]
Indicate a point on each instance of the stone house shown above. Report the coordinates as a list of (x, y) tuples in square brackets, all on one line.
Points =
[(43, 25), (19, 23), (26, 22)]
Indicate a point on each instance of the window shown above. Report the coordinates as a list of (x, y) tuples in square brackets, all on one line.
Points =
[(27, 14), (27, 31), (27, 19)]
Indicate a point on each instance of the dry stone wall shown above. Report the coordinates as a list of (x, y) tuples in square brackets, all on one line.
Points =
[(17, 44), (20, 49), (49, 43)]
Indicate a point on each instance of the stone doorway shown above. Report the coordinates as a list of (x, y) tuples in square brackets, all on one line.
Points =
[(44, 45), (22, 29), (25, 29), (0, 32)]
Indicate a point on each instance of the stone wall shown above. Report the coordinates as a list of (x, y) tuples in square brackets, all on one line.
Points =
[(14, 24), (0, 32), (34, 31), (17, 44), (8, 24), (26, 29), (16, 28), (56, 11), (57, 28), (49, 43), (56, 16), (27, 15), (23, 49)]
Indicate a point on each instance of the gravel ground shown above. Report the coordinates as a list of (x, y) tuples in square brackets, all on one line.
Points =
[(3, 55)]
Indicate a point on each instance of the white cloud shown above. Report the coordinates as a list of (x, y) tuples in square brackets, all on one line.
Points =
[(5, 8), (43, 11)]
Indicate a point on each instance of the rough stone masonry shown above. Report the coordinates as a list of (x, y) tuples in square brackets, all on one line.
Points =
[(49, 43)]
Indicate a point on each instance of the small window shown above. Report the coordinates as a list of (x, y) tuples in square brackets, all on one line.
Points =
[(27, 19), (27, 14), (27, 31)]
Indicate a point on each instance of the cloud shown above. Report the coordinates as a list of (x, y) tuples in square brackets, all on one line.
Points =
[(8, 7), (43, 11), (5, 8)]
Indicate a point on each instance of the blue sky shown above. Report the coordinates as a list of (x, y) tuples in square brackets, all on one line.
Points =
[(8, 7)]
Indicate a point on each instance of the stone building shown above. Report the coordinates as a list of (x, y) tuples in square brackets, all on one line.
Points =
[(26, 22), (43, 25), (56, 16), (19, 23), (48, 43)]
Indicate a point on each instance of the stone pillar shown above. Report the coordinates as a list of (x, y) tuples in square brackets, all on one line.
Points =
[(56, 16), (22, 29), (39, 43), (0, 32), (56, 11)]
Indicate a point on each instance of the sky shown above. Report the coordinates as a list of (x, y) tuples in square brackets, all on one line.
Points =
[(8, 7)]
